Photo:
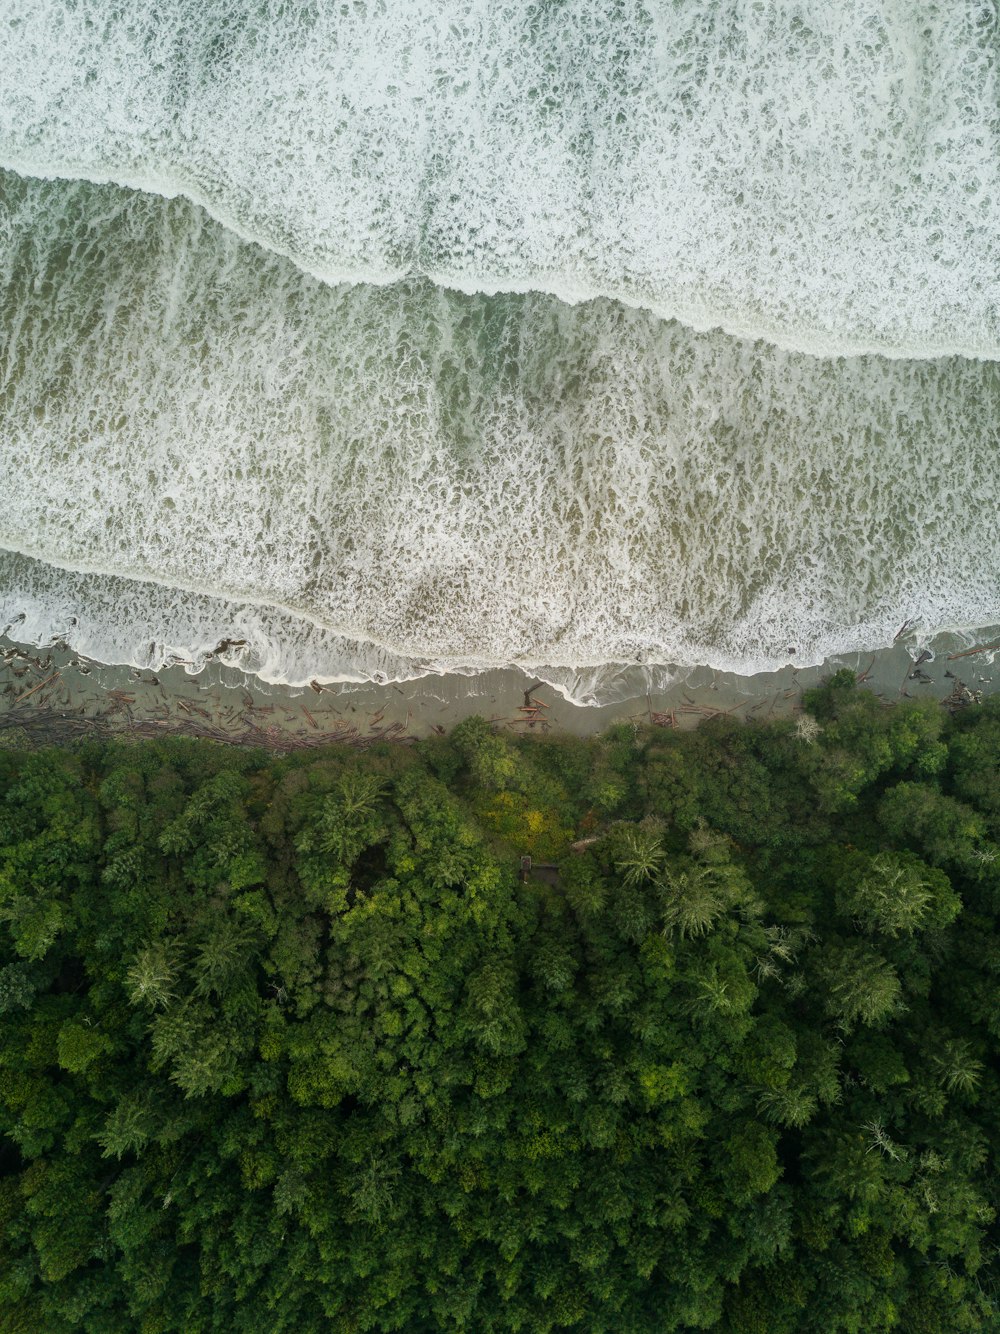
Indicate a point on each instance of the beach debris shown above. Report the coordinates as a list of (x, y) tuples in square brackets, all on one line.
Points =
[(531, 711), (531, 716), (916, 674), (902, 630), (47, 726), (708, 710), (34, 689), (225, 646), (961, 697), (394, 729), (977, 648), (867, 672)]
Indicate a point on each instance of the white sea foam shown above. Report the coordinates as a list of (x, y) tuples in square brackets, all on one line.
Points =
[(822, 175), (109, 619), (372, 482)]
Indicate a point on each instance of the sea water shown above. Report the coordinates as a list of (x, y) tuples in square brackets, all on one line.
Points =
[(398, 337)]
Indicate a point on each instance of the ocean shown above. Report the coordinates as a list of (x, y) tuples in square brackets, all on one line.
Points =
[(382, 339)]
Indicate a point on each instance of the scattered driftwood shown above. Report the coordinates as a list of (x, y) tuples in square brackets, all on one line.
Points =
[(391, 732), (917, 675), (50, 727), (42, 726), (34, 689), (704, 710), (913, 672), (530, 691), (867, 672), (532, 711), (961, 697), (530, 717), (978, 648)]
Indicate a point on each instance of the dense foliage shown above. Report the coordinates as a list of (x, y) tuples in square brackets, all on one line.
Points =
[(287, 1045)]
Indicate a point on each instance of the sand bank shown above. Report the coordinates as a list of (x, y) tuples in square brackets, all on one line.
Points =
[(52, 694)]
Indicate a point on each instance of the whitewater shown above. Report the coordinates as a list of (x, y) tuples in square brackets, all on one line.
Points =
[(404, 337)]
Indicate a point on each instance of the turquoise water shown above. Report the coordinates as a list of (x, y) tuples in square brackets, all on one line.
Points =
[(397, 337)]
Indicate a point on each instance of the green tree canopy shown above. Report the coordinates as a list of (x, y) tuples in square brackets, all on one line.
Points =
[(291, 1045)]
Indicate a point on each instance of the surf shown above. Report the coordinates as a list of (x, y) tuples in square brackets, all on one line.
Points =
[(398, 479), (823, 178)]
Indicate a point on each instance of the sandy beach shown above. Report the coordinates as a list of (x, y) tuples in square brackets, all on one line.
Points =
[(51, 695)]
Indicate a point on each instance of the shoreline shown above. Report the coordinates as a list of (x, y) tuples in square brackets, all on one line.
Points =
[(53, 695)]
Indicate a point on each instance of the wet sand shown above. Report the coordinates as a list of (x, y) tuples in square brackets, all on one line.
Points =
[(52, 695)]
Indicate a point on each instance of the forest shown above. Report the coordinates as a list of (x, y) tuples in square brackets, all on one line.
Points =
[(296, 1044)]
